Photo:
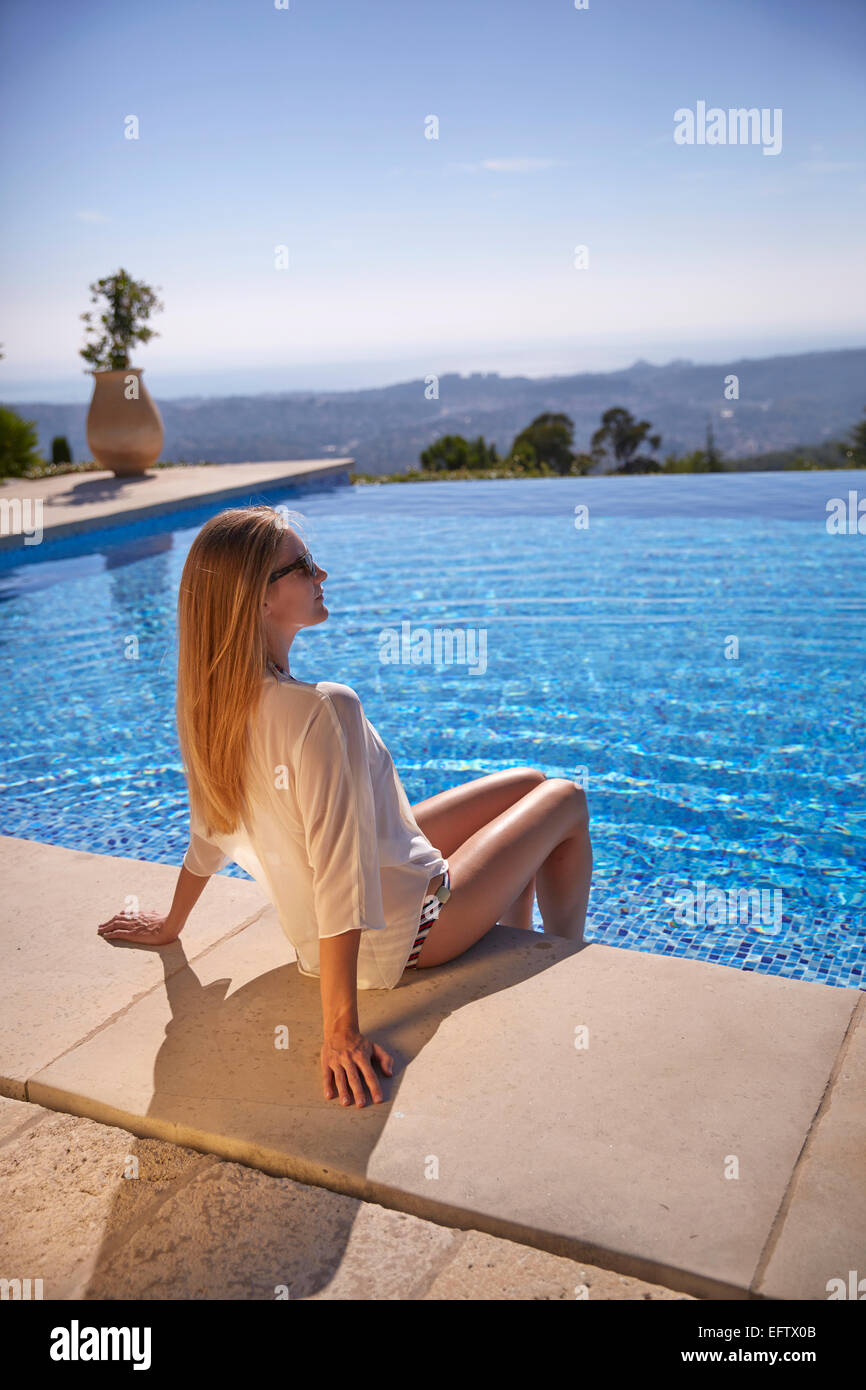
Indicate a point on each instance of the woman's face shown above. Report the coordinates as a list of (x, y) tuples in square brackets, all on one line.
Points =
[(295, 600)]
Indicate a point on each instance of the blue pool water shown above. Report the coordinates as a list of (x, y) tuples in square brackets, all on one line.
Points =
[(604, 660)]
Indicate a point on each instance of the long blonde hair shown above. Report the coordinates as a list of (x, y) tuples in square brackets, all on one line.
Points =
[(222, 655)]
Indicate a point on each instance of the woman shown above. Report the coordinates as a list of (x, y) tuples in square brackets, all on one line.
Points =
[(291, 781)]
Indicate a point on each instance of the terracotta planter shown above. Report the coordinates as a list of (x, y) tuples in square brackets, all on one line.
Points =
[(124, 429)]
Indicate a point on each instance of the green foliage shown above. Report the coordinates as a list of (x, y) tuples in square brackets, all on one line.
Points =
[(482, 455), (706, 460), (685, 464), (453, 451), (18, 445), (130, 303), (828, 454), (548, 440), (60, 450), (713, 457), (695, 462), (544, 449), (618, 439), (523, 456), (854, 447)]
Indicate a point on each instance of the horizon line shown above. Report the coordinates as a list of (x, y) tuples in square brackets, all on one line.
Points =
[(462, 376)]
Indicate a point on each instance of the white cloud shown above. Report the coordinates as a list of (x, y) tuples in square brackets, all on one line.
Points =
[(91, 215), (830, 166), (518, 164)]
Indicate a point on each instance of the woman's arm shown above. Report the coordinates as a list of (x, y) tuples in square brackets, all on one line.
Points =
[(187, 892), (347, 1056), (338, 964), (334, 789)]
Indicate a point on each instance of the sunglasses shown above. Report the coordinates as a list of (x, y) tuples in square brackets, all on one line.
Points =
[(306, 560)]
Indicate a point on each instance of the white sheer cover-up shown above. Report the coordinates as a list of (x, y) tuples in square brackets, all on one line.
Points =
[(330, 836)]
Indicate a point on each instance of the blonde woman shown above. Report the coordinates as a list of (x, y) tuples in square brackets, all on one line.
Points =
[(290, 780)]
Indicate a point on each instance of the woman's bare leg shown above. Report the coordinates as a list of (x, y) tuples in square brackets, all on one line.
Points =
[(450, 818), (519, 913), (562, 884), (544, 834)]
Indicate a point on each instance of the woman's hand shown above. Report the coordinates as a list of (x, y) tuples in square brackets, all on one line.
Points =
[(138, 928), (350, 1057)]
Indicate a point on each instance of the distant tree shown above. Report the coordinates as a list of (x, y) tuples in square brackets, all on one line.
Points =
[(451, 451), (523, 457), (854, 447), (622, 436), (713, 457), (60, 450), (817, 456), (18, 445), (481, 454), (675, 464), (551, 437)]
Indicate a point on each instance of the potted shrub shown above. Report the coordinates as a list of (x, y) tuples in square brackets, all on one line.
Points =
[(124, 427)]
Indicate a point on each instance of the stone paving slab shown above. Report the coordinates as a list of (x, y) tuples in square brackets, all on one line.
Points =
[(75, 502), (61, 980), (827, 1193), (616, 1152), (97, 1213)]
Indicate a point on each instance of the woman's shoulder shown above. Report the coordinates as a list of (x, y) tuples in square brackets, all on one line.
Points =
[(312, 713), (343, 702), (305, 697), (336, 691)]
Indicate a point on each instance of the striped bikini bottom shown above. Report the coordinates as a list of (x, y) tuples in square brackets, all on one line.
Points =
[(430, 909)]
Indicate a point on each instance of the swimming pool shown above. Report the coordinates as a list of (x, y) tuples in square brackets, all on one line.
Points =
[(603, 653)]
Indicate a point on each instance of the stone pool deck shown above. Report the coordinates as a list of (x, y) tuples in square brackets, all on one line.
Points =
[(501, 1151), (75, 502)]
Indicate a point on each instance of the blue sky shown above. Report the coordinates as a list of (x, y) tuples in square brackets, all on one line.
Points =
[(305, 127)]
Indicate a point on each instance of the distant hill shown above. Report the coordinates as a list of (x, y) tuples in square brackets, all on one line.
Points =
[(804, 399)]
